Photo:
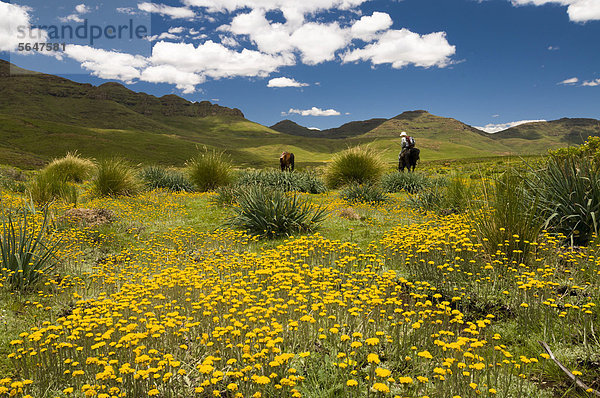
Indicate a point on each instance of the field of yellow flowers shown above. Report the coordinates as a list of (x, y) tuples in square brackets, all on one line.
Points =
[(165, 302)]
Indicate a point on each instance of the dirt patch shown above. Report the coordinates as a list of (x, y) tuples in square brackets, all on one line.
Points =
[(350, 214), (91, 217)]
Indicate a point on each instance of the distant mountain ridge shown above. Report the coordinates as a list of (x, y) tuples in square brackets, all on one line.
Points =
[(351, 129), (570, 131), (142, 103), (43, 116)]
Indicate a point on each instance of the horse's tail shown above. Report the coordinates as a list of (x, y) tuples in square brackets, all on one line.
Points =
[(292, 160)]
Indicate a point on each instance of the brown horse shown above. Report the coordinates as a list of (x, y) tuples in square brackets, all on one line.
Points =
[(409, 159), (286, 160)]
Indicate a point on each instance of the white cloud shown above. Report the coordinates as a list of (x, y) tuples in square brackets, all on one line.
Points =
[(169, 11), (71, 18), (251, 45), (82, 9), (15, 27), (591, 83), (107, 64), (572, 80), (285, 82), (184, 81), (495, 128), (162, 36), (126, 10), (176, 30), (289, 8), (76, 17), (578, 10), (553, 48), (314, 111), (403, 47), (367, 27), (319, 42), (217, 61), (228, 41)]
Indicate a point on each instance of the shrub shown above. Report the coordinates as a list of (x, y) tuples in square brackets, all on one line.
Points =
[(458, 195), (507, 221), (25, 250), (445, 197), (365, 193), (355, 165), (589, 149), (307, 182), (568, 190), (272, 213), (408, 182), (12, 179), (115, 178), (209, 170), (46, 187), (226, 196), (156, 177), (72, 168)]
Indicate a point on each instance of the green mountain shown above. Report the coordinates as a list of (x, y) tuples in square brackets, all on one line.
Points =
[(540, 136), (348, 130), (44, 116), (289, 127)]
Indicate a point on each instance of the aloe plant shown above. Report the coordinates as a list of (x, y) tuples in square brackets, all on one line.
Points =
[(26, 253)]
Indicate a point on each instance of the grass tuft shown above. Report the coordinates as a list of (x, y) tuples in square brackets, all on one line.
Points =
[(157, 177), (364, 193), (115, 178), (359, 165), (46, 187), (72, 168), (408, 182), (298, 181), (506, 220), (209, 170)]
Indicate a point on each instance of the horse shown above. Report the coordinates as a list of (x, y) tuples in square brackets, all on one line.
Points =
[(286, 160), (410, 159)]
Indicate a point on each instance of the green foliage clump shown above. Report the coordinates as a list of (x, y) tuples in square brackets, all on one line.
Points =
[(71, 168), (115, 178), (507, 219), (26, 252), (272, 213), (359, 165), (445, 197), (568, 191), (226, 195), (298, 181), (408, 182), (12, 179), (156, 177), (209, 170), (364, 193), (589, 149), (46, 187)]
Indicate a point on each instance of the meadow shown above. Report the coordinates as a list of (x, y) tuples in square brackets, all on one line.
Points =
[(438, 284)]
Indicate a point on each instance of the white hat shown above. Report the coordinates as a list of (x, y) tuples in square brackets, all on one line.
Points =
[(403, 134)]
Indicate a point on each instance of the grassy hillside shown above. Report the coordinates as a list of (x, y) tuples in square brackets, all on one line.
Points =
[(44, 116), (537, 137)]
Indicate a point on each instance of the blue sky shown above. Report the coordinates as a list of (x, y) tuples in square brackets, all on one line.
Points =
[(323, 63)]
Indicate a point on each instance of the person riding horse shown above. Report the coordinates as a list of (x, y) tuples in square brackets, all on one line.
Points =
[(409, 155)]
